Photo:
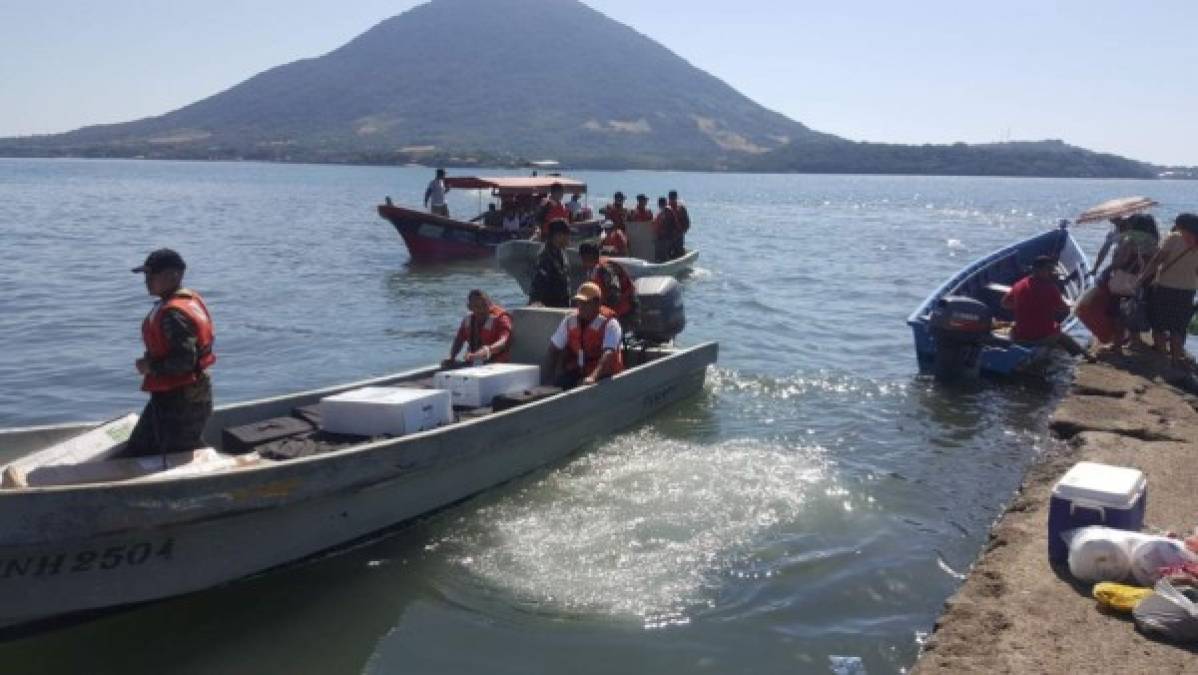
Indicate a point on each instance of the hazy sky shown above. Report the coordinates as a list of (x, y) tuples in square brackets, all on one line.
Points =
[(1107, 75)]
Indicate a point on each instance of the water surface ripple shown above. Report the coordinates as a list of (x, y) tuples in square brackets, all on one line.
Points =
[(817, 500)]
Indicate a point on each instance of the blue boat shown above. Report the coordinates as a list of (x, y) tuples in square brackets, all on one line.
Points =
[(986, 281)]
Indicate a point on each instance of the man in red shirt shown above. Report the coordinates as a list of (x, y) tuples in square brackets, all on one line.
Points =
[(1036, 302)]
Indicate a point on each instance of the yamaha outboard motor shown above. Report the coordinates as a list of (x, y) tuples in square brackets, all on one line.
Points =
[(661, 315), (960, 326)]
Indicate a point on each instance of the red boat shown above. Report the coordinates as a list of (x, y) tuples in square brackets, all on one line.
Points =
[(433, 238)]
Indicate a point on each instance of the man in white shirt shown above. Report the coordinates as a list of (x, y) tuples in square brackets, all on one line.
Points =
[(587, 344), (574, 206), (434, 195)]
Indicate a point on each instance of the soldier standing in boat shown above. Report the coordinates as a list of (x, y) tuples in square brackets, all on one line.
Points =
[(683, 221), (178, 336), (550, 281)]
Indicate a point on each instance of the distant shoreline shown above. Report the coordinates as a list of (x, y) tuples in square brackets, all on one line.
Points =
[(1181, 176)]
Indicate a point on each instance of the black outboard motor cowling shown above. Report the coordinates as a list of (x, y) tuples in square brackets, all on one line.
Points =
[(661, 315), (960, 327)]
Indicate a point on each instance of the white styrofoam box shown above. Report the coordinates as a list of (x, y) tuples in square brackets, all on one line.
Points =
[(1094, 484), (378, 411), (102, 442), (476, 387)]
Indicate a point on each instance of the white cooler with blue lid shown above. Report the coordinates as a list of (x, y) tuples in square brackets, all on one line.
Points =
[(1095, 494)]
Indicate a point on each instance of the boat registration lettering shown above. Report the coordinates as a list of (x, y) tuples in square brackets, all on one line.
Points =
[(90, 560)]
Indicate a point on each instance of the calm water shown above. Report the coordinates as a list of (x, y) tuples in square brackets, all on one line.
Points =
[(815, 501)]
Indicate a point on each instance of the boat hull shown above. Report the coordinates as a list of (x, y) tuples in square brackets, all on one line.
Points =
[(519, 259), (433, 238), (1005, 267), (82, 548)]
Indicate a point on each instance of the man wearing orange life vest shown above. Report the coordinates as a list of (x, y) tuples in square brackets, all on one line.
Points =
[(619, 291), (586, 346), (178, 336), (615, 211), (552, 209), (683, 218), (486, 332), (641, 214), (615, 242), (665, 227)]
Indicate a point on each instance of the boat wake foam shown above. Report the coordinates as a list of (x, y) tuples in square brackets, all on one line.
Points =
[(643, 527)]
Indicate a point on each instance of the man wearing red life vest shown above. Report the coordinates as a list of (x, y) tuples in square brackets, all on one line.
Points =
[(619, 291), (641, 214), (178, 336), (615, 242), (684, 220), (486, 332), (665, 227), (552, 208), (615, 211), (586, 347)]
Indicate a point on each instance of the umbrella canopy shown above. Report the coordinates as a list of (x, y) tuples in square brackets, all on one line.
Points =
[(1115, 208)]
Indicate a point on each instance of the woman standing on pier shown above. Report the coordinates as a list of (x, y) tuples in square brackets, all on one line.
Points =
[(1173, 275)]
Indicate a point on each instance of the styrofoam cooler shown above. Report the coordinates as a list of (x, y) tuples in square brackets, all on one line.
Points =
[(378, 411), (1095, 494), (477, 386)]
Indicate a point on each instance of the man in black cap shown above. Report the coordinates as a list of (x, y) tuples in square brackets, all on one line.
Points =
[(178, 336), (550, 281)]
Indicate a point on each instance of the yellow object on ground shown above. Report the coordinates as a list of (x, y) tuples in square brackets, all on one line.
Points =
[(1119, 597)]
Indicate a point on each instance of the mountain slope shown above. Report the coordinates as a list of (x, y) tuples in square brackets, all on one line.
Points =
[(498, 81), (532, 78)]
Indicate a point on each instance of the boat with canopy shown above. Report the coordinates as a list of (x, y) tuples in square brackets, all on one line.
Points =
[(433, 238)]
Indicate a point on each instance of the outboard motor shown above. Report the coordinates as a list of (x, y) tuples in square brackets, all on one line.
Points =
[(960, 326), (660, 316)]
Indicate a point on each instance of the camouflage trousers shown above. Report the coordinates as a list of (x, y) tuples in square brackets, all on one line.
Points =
[(173, 421)]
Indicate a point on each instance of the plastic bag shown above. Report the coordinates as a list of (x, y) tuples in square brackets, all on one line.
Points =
[(1098, 554), (1119, 597), (1148, 557), (1168, 613)]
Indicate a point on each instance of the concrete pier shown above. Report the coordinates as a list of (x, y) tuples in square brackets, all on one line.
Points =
[(1017, 614)]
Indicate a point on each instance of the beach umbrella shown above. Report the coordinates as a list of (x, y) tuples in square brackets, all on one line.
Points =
[(1115, 208)]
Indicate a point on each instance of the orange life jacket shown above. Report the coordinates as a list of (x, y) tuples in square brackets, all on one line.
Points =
[(152, 333), (626, 295), (617, 241), (488, 333), (555, 210), (640, 215), (616, 214), (683, 217), (585, 345), (666, 223)]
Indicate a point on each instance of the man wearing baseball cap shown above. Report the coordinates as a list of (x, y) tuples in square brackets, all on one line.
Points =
[(586, 346), (178, 337)]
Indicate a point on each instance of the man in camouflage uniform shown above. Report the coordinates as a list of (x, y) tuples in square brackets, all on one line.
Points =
[(178, 335)]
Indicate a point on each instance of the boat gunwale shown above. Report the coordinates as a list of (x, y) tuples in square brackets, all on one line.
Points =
[(339, 454), (919, 317)]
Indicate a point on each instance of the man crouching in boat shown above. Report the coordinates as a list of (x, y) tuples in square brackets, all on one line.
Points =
[(586, 346), (178, 336), (486, 332), (1036, 302)]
